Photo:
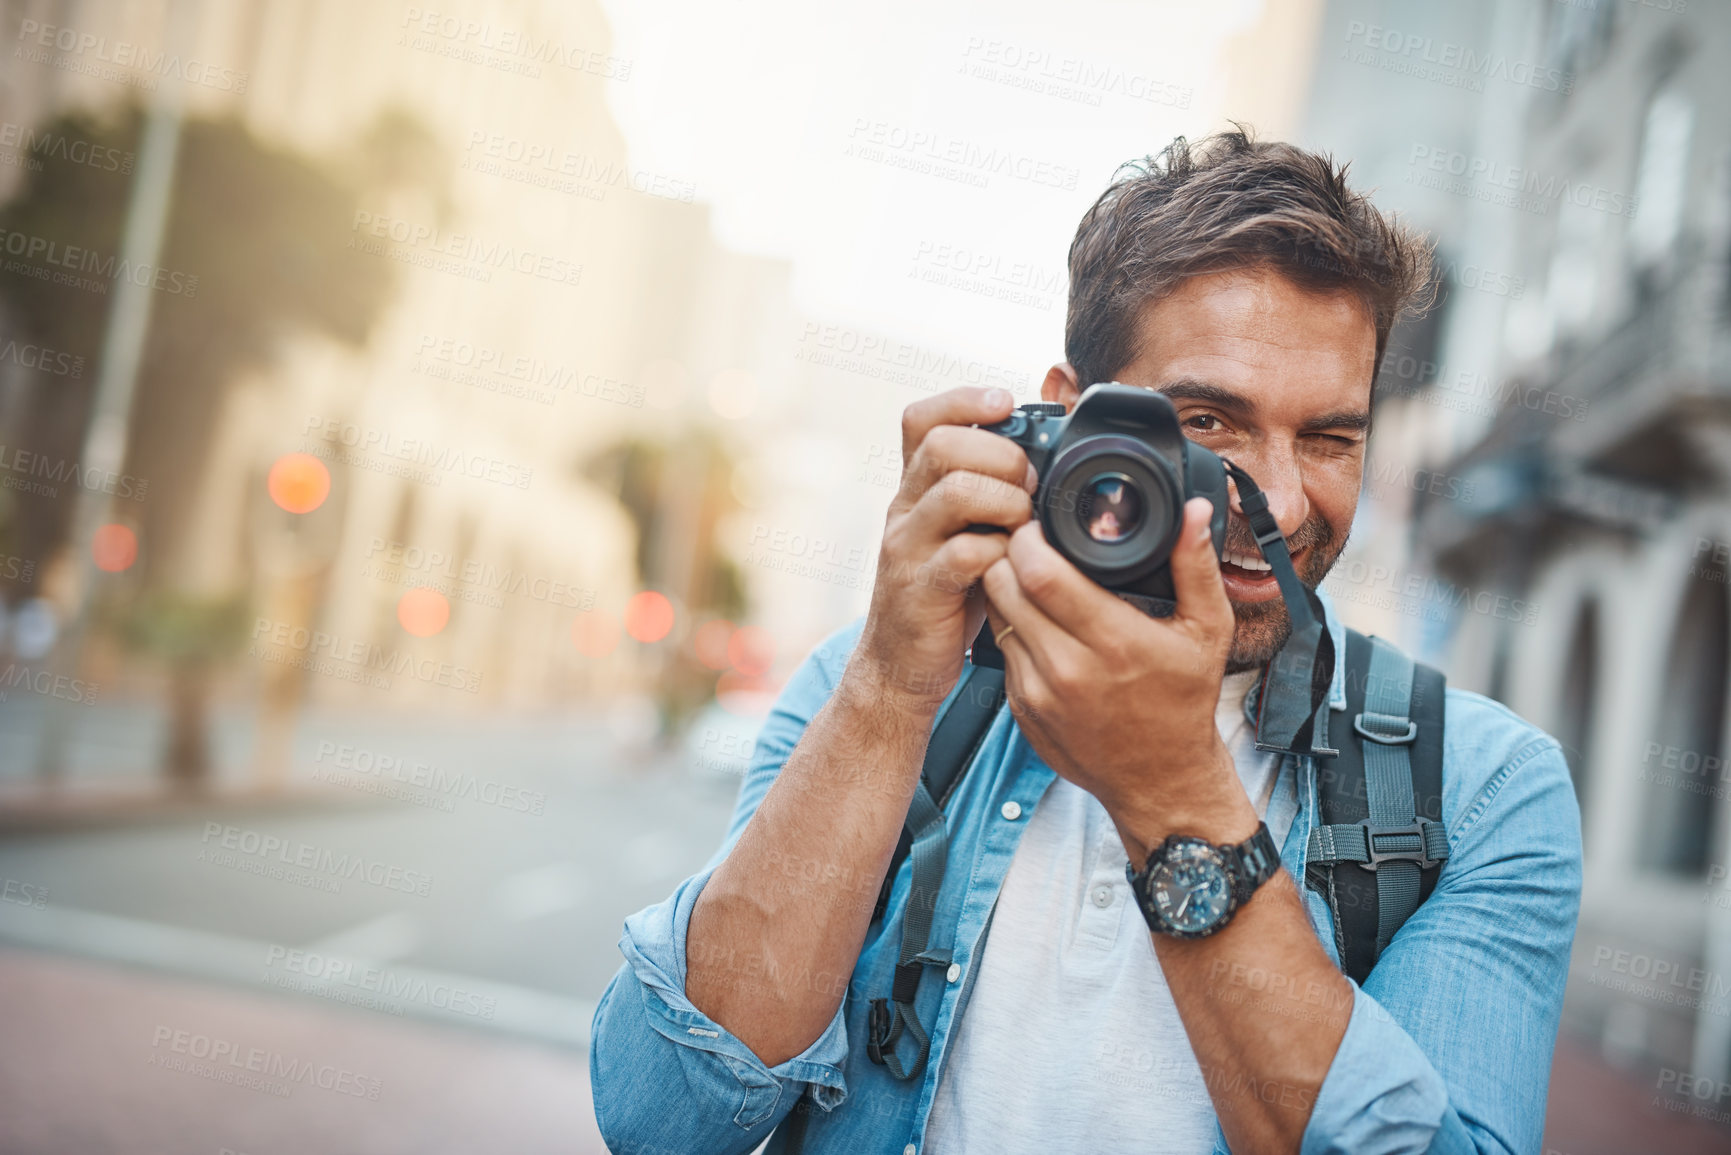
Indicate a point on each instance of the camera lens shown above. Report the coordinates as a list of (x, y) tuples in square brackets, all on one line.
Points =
[(1112, 505), (1110, 508)]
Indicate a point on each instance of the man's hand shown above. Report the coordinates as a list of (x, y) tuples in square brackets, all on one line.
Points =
[(838, 803), (925, 608), (1120, 703)]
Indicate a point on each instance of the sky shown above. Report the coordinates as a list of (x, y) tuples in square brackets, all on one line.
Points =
[(854, 141)]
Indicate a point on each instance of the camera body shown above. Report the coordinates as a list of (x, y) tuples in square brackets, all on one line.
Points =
[(1114, 476)]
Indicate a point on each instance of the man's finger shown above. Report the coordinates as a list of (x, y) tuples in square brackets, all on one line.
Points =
[(1050, 648), (1023, 685), (963, 405), (962, 498), (1078, 604), (1196, 570)]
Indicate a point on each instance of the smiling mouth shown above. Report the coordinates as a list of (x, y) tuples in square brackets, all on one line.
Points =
[(1251, 564), (1249, 578)]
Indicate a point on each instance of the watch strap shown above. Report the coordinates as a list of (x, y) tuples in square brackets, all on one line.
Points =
[(1256, 860)]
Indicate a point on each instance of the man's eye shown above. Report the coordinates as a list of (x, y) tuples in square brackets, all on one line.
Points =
[(1204, 423)]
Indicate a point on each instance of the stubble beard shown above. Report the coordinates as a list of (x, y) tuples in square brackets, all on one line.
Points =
[(1263, 627)]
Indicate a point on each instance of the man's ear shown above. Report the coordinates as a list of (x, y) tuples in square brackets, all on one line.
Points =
[(1060, 385)]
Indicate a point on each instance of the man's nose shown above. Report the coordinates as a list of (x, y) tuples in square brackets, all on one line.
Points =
[(1275, 471)]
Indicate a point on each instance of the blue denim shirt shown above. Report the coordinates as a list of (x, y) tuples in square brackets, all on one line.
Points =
[(1448, 1048)]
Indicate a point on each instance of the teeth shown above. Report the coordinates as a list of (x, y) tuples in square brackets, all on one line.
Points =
[(1244, 561)]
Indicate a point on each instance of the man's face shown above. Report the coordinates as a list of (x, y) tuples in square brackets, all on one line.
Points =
[(1277, 379)]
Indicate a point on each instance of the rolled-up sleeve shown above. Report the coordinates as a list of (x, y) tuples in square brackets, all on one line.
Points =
[(1449, 1045), (667, 1078)]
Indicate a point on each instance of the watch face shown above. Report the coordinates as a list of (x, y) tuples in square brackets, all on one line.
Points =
[(1190, 887)]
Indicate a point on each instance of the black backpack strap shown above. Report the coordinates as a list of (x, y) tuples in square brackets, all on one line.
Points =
[(955, 738), (1379, 842), (949, 751), (791, 1133)]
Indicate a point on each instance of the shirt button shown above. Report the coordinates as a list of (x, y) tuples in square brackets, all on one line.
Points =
[(1011, 811), (909, 1149), (954, 973), (1102, 897)]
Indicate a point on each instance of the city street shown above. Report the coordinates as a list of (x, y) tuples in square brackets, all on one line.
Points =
[(134, 944), (475, 995)]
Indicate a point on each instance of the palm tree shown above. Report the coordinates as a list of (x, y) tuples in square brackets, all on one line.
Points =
[(253, 255)]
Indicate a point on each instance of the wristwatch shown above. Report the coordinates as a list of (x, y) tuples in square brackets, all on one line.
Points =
[(1190, 887)]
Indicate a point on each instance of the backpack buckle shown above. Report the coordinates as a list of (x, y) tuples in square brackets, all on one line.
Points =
[(879, 1025), (1383, 737), (1405, 851)]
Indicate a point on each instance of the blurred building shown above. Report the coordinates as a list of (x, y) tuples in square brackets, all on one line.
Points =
[(1547, 512), (612, 318)]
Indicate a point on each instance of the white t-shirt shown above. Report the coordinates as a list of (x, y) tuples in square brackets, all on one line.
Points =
[(1070, 1041)]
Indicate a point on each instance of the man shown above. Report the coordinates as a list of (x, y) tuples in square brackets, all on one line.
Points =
[(1251, 287)]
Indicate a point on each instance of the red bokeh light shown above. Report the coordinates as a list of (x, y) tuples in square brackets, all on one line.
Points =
[(423, 612), (299, 482), (114, 548), (747, 695), (648, 616), (751, 650)]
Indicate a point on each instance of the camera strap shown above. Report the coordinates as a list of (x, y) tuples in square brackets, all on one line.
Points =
[(1292, 706), (955, 739)]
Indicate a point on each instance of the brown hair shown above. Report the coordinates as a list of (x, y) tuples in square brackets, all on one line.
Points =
[(1227, 202)]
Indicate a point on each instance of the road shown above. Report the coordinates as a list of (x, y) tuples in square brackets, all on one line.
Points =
[(122, 946), (483, 910)]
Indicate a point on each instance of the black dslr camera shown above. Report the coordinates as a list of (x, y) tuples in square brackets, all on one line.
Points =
[(1114, 477)]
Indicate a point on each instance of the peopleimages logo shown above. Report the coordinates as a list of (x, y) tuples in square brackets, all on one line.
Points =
[(42, 359), (1494, 180), (123, 54), (339, 978), (448, 783), (226, 1061), (402, 564), (40, 466), (532, 372), (1445, 61), (362, 654), (939, 154), (48, 145), (334, 435), (338, 865), (55, 261), (495, 45), (478, 252), (46, 683)]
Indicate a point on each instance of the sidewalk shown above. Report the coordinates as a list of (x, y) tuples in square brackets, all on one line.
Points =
[(1595, 1109), (90, 1065)]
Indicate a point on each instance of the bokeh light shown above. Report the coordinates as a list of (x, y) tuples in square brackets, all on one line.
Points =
[(709, 643), (299, 482), (595, 634), (751, 650), (423, 612), (114, 548), (745, 695), (648, 616)]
